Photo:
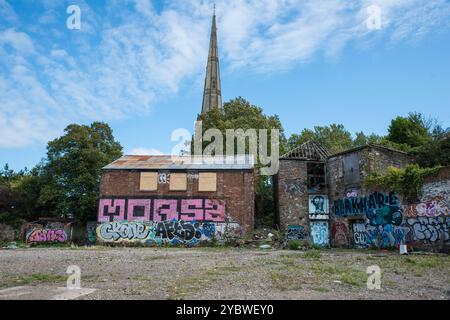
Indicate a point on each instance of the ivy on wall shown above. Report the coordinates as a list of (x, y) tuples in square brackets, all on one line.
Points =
[(407, 181)]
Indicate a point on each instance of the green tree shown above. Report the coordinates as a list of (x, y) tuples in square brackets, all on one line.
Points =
[(423, 137), (72, 169), (333, 137), (437, 151), (241, 114), (40, 193), (413, 130), (12, 202)]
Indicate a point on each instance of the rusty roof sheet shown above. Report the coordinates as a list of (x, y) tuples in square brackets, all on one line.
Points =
[(168, 162)]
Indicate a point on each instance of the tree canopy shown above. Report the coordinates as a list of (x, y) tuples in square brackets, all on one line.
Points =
[(66, 182), (241, 114)]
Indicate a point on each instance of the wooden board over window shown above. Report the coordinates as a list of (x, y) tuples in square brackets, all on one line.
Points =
[(207, 181), (178, 181), (148, 181)]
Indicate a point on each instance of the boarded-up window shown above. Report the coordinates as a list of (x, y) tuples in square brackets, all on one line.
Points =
[(149, 181), (351, 169), (178, 181), (207, 181)]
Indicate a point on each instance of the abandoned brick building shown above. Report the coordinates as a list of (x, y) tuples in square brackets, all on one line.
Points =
[(175, 199), (322, 198)]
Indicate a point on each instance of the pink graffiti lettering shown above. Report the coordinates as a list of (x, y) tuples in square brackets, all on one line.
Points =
[(46, 235), (165, 210), (192, 209), (134, 203), (156, 209), (214, 210), (109, 209)]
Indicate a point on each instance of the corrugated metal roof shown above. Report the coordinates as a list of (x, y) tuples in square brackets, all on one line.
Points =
[(309, 150), (168, 162)]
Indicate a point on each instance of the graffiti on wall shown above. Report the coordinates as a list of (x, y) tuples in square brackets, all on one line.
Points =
[(295, 232), (359, 234), (433, 207), (430, 230), (46, 235), (44, 231), (353, 193), (91, 235), (388, 215), (340, 233), (389, 224), (363, 205), (386, 236), (318, 207), (294, 186), (158, 209), (319, 233), (170, 231), (163, 178)]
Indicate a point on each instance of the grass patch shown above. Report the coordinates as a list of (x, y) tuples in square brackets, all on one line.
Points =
[(286, 281), (354, 278), (186, 285), (157, 257), (343, 273), (312, 254), (416, 265), (32, 279)]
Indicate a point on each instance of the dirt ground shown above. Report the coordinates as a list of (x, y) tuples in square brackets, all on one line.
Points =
[(221, 273)]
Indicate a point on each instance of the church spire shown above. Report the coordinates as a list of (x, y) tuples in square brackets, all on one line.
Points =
[(212, 95)]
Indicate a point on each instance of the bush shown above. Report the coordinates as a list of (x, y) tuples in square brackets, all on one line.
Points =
[(294, 244), (407, 181), (11, 220)]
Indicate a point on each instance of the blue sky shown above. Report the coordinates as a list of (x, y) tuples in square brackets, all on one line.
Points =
[(139, 66)]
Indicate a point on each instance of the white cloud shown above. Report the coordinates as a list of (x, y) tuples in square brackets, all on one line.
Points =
[(144, 152), (128, 56)]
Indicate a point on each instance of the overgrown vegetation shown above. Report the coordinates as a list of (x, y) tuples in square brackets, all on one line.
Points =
[(241, 114), (34, 278), (407, 181), (65, 183)]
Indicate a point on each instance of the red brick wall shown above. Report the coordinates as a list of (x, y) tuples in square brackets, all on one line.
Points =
[(236, 188)]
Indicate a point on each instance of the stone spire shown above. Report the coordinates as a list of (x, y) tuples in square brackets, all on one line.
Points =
[(212, 95)]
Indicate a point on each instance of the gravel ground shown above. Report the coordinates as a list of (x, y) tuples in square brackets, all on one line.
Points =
[(223, 273)]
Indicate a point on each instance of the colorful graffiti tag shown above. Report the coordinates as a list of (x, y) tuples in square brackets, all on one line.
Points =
[(48, 231), (319, 233), (389, 224), (430, 230), (170, 231), (157, 209), (388, 215), (385, 236), (46, 235), (359, 234), (363, 205), (434, 207), (295, 232)]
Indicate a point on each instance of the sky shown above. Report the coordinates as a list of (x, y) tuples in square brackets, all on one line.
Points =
[(139, 66)]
